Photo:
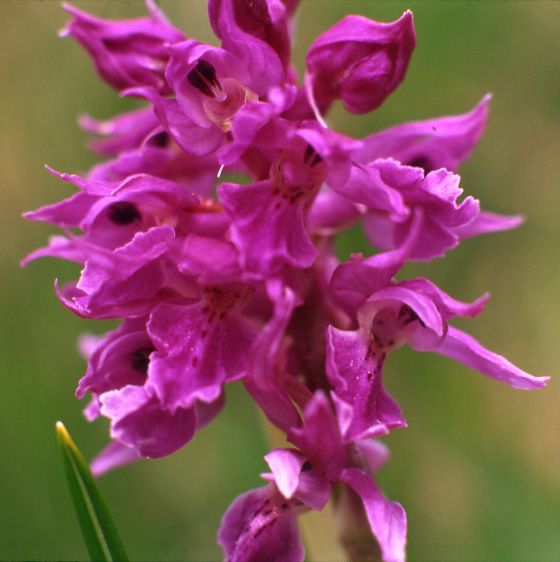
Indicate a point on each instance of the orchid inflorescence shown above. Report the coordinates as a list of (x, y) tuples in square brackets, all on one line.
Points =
[(219, 281)]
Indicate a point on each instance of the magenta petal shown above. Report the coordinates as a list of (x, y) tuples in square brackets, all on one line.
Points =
[(295, 478), (364, 277), (144, 183), (433, 241), (128, 52), (387, 520), (335, 149), (109, 291), (197, 352), (286, 467), (319, 440), (434, 195), (126, 131), (69, 212), (424, 307), (268, 230), (364, 408), (314, 488), (87, 186), (487, 222), (59, 247), (245, 125), (134, 296), (211, 259), (186, 133), (261, 526), (443, 186), (231, 78), (447, 306), (262, 62), (360, 62), (205, 412), (436, 143), (139, 420), (266, 368), (120, 359), (467, 350), (331, 213), (366, 186), (114, 455), (265, 20), (147, 246), (374, 452)]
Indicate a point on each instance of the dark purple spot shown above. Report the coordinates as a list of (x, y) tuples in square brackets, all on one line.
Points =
[(264, 527), (123, 213), (307, 466), (161, 139), (407, 315), (258, 532), (140, 359), (422, 162), (311, 157), (203, 78), (309, 151)]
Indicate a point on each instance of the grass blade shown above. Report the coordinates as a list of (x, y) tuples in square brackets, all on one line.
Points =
[(100, 534)]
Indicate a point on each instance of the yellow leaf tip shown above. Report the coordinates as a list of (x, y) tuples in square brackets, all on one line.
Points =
[(62, 431)]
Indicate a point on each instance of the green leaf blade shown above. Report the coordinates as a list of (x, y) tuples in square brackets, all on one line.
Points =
[(100, 533)]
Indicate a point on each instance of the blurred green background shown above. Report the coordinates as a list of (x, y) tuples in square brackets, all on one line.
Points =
[(478, 468)]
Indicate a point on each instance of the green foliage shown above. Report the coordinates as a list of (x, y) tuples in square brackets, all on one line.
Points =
[(99, 530)]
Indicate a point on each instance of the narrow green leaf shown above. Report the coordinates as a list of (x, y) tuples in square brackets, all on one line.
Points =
[(100, 534)]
